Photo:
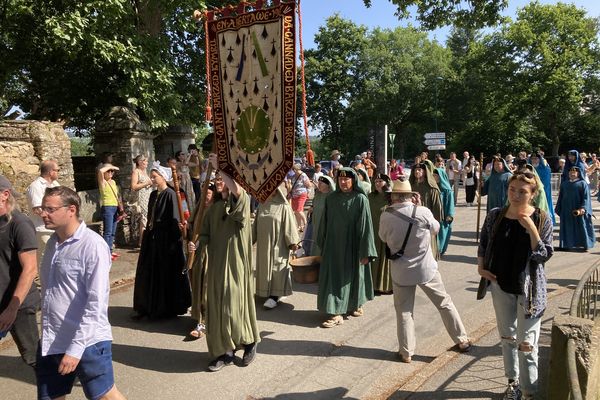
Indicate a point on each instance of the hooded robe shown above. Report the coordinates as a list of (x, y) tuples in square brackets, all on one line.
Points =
[(231, 313), (274, 230), (317, 214), (447, 197), (545, 174), (380, 267), (430, 198), (576, 232), (346, 237), (496, 187)]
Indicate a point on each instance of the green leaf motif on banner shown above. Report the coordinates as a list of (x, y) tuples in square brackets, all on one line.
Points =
[(253, 128)]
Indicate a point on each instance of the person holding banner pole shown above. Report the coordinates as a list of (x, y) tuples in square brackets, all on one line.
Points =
[(231, 313)]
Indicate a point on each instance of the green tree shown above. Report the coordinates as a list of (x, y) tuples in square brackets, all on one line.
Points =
[(331, 76), (435, 13), (71, 60), (540, 67)]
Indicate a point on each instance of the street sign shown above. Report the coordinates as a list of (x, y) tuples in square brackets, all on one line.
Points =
[(437, 147), (435, 135), (433, 142)]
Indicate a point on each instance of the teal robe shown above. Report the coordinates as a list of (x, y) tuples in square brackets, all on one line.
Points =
[(346, 237), (447, 198), (496, 187)]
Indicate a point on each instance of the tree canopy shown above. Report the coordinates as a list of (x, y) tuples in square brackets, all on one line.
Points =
[(532, 83)]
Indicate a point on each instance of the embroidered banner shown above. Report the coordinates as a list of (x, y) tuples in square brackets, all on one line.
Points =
[(253, 81)]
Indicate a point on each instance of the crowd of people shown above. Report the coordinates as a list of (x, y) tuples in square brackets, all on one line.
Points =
[(376, 230)]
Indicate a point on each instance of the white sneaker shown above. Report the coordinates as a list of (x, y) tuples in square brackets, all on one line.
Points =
[(270, 303)]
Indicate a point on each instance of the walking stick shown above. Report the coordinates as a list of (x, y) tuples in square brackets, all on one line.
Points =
[(479, 187), (199, 215), (179, 203)]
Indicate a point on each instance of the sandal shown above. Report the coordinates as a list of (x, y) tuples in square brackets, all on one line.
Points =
[(198, 331), (333, 321), (359, 312)]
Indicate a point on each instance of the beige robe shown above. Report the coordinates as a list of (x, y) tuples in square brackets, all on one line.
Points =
[(274, 231)]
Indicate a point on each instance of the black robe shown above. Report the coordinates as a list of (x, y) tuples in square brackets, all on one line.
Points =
[(161, 290)]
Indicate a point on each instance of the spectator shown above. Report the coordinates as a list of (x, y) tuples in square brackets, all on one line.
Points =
[(35, 192), (395, 171), (370, 166), (453, 168), (141, 187), (109, 201), (76, 335), (408, 230), (515, 243), (299, 185), (19, 299)]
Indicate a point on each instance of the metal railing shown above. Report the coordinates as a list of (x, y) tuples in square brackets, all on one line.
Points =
[(584, 304)]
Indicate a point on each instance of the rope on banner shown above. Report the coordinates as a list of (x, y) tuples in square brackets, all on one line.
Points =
[(310, 156)]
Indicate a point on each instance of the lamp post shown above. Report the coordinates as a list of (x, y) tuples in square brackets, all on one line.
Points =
[(437, 78), (392, 136)]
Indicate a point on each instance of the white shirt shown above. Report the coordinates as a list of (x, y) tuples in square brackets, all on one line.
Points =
[(316, 177), (35, 194), (75, 289)]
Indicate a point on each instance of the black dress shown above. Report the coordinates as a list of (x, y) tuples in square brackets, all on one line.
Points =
[(161, 290)]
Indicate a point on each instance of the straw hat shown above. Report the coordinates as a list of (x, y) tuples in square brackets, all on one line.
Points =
[(108, 167), (399, 186), (335, 153)]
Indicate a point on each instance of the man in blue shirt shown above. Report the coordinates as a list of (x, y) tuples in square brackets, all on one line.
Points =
[(76, 335)]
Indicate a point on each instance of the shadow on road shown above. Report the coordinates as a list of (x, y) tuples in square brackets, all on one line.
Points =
[(325, 394), (121, 316), (461, 259), (316, 348), (285, 314), (160, 360), (14, 368)]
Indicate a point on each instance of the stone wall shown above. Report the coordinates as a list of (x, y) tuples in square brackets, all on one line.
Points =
[(24, 144)]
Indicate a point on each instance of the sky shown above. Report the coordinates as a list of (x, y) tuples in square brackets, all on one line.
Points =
[(381, 14)]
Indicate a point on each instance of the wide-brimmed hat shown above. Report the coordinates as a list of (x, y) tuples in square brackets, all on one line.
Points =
[(335, 153), (108, 167), (401, 186)]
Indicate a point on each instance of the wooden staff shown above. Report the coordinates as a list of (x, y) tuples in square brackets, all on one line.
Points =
[(199, 215), (479, 187), (179, 203)]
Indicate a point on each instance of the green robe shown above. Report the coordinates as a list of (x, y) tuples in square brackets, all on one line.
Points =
[(231, 314), (317, 213), (274, 230), (346, 236), (380, 267), (430, 198)]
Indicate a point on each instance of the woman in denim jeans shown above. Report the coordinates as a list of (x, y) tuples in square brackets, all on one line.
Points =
[(109, 202), (516, 241)]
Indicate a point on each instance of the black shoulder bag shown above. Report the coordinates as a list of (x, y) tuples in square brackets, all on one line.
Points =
[(400, 253)]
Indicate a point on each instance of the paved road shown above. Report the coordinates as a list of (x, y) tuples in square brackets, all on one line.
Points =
[(296, 358)]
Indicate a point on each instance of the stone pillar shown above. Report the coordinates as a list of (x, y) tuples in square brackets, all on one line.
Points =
[(563, 328), (174, 139), (24, 144), (122, 133)]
